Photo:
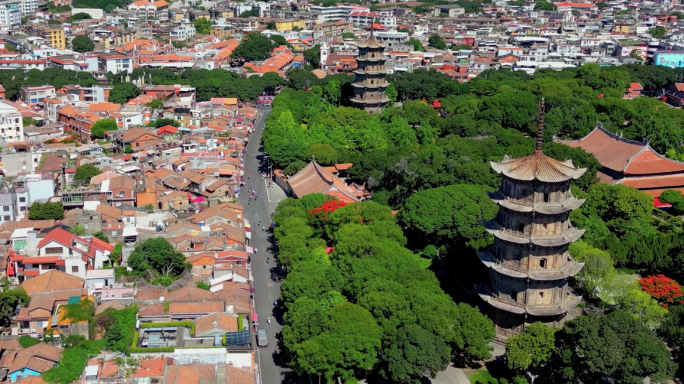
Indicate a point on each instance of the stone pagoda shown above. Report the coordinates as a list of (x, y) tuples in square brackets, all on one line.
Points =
[(529, 263), (370, 83)]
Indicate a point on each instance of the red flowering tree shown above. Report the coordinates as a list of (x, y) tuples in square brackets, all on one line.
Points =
[(319, 215), (663, 289)]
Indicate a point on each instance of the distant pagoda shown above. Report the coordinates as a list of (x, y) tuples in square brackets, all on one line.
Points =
[(529, 263), (370, 83)]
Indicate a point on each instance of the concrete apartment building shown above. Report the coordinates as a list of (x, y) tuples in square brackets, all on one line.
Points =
[(11, 124), (10, 17), (36, 95)]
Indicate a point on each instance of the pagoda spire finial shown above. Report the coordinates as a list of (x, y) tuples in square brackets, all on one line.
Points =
[(540, 128)]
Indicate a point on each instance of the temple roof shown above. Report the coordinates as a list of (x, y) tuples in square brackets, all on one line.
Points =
[(538, 166), (316, 179), (625, 156)]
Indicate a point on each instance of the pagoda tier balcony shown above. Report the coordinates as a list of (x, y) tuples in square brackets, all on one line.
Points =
[(518, 271), (504, 304), (370, 86), (529, 207), (362, 72), (382, 100), (569, 236), (362, 59)]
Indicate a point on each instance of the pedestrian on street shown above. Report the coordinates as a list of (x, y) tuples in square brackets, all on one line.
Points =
[(255, 198), (256, 251)]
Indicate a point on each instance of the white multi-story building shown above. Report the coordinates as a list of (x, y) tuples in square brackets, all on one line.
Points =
[(363, 19), (10, 17), (326, 14), (183, 32), (11, 125), (114, 63), (29, 7)]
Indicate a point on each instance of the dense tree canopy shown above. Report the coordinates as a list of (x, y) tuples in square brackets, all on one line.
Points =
[(123, 92), (253, 47), (82, 43), (97, 131), (46, 211), (12, 80), (371, 304), (158, 256), (209, 83), (615, 347)]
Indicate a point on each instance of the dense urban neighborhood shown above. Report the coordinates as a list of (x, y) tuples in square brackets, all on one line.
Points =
[(263, 192)]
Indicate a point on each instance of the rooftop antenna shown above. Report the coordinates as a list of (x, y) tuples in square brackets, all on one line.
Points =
[(540, 128)]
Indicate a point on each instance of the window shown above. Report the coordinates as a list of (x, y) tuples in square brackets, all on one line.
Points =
[(542, 263), (113, 234), (74, 269), (39, 324), (521, 227), (6, 218), (541, 295), (5, 208), (546, 198), (22, 199), (53, 250), (514, 295)]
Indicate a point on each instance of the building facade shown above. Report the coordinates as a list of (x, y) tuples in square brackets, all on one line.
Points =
[(11, 124), (370, 83), (529, 264), (10, 17)]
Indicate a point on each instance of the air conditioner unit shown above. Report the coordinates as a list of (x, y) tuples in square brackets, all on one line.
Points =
[(188, 248)]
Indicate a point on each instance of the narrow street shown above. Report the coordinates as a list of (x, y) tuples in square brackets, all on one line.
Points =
[(266, 291)]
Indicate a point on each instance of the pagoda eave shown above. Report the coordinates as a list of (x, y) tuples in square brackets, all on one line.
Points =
[(571, 268), (562, 308), (541, 208)]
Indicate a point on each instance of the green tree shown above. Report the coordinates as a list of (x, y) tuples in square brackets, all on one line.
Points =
[(202, 25), (415, 353), (352, 338), (391, 93), (615, 347), (46, 211), (417, 44), (437, 41), (313, 56), (159, 256), (97, 131), (155, 104), (531, 349), (86, 172), (253, 47), (123, 92), (598, 267), (163, 122), (447, 214), (657, 32), (672, 330), (78, 17), (100, 235), (544, 6), (82, 43), (254, 12), (349, 35), (324, 154), (271, 25), (77, 230), (10, 299)]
